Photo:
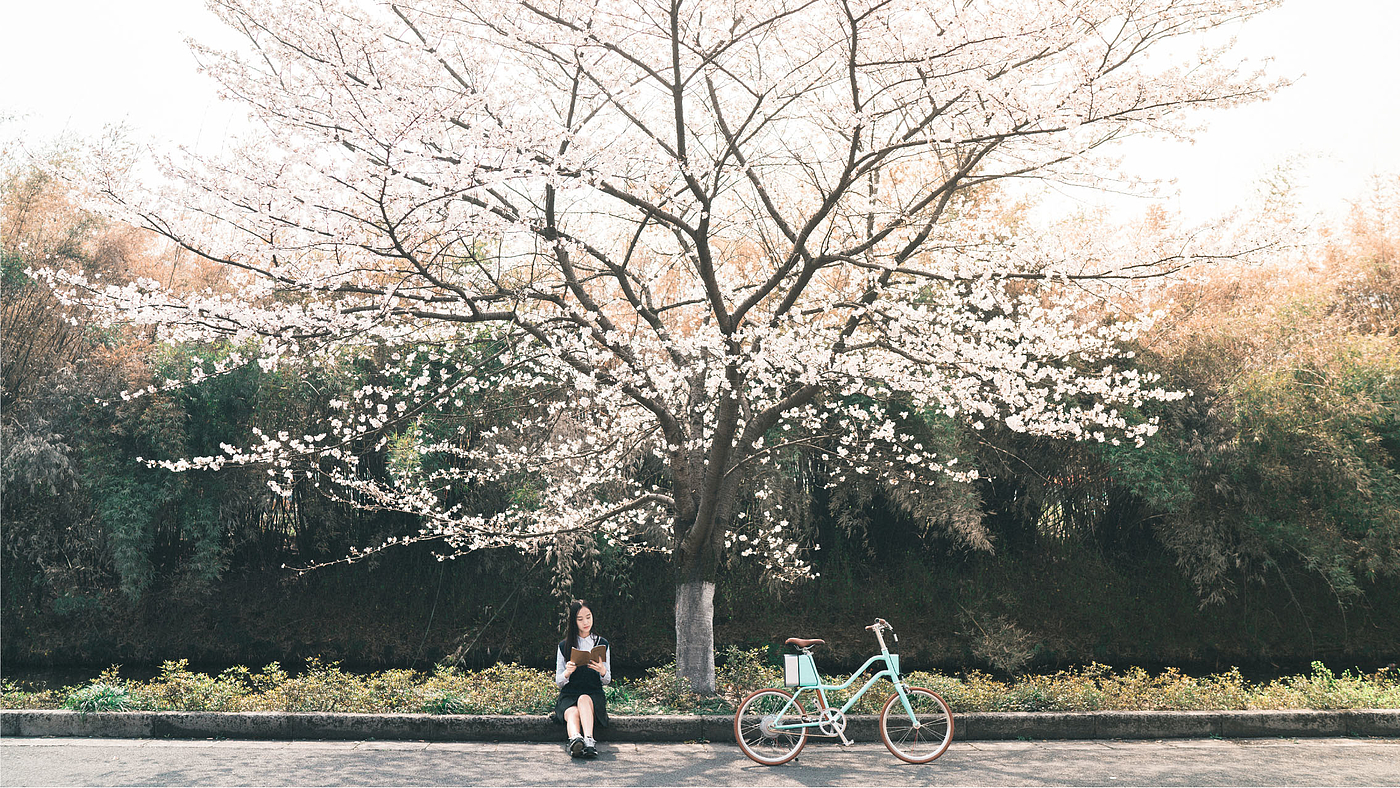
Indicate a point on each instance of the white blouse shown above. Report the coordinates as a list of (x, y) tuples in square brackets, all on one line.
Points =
[(585, 643)]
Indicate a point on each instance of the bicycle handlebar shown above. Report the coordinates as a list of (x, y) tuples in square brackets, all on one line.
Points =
[(880, 627)]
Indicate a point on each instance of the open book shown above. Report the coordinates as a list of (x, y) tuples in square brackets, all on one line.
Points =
[(581, 658)]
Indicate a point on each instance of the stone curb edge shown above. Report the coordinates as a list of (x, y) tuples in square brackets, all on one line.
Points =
[(682, 728)]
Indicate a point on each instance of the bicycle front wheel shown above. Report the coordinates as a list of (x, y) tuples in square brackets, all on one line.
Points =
[(923, 738), (754, 727)]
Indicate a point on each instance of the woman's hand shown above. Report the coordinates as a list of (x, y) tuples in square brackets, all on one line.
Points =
[(601, 667), (569, 668)]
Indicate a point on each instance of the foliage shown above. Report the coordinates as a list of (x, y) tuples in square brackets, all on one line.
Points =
[(1289, 454), (745, 670), (662, 690), (178, 688), (1272, 487), (15, 696), (104, 693), (328, 688), (1097, 688), (675, 244), (89, 529), (499, 689), (512, 689)]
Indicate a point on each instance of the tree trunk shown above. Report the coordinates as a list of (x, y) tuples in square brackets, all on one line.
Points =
[(695, 634)]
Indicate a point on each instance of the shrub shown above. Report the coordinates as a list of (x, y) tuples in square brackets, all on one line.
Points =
[(325, 687), (514, 689), (745, 670), (13, 696), (98, 696), (504, 688), (178, 688)]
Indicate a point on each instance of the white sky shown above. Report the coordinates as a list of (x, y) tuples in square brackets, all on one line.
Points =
[(75, 65)]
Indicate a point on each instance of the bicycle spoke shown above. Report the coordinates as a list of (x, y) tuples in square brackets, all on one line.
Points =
[(756, 732), (923, 737), (916, 725)]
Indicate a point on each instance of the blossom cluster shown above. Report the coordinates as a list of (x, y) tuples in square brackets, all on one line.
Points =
[(689, 236)]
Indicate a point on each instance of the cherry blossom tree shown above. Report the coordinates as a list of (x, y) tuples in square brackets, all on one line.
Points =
[(677, 238)]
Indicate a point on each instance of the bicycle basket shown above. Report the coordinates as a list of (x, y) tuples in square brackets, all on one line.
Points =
[(799, 670)]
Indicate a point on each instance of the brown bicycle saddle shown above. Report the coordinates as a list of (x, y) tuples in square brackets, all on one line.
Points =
[(804, 642)]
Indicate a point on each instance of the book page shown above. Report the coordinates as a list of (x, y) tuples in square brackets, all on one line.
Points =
[(580, 657)]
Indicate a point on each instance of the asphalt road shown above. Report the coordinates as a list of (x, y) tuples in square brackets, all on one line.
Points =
[(1177, 762)]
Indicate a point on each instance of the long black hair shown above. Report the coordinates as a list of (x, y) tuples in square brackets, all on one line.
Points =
[(571, 634)]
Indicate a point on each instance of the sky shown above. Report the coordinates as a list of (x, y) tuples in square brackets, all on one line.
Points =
[(77, 65)]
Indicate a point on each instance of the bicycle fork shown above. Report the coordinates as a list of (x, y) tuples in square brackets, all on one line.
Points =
[(899, 688)]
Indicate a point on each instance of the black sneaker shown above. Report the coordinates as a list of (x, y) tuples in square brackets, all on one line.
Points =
[(575, 747), (590, 747)]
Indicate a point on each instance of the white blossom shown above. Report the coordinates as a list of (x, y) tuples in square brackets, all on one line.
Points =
[(689, 249)]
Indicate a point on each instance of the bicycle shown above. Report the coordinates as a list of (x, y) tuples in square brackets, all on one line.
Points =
[(772, 725)]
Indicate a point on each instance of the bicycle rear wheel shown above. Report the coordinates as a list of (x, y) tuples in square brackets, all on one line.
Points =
[(754, 727), (921, 741)]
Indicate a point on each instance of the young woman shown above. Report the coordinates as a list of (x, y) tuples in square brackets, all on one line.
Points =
[(581, 703)]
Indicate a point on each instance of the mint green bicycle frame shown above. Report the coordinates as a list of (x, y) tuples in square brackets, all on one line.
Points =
[(891, 672)]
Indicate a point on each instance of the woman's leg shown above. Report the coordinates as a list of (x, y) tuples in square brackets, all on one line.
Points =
[(585, 714), (571, 717)]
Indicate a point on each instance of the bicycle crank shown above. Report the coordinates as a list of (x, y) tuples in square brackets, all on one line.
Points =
[(832, 723)]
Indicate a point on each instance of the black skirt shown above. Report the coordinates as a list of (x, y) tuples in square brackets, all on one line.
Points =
[(568, 700)]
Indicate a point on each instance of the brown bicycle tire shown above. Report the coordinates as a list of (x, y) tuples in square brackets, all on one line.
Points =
[(895, 749), (739, 733)]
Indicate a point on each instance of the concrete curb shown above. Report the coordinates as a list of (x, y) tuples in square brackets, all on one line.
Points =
[(681, 728)]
